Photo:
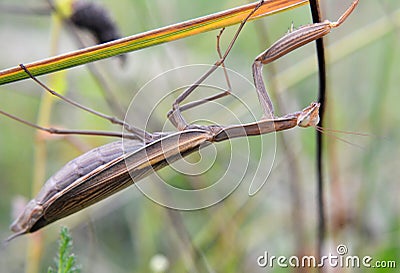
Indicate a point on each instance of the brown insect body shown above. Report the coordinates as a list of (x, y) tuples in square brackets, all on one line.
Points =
[(110, 168), (74, 170), (100, 173)]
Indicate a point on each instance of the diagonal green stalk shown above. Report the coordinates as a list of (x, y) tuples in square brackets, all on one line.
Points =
[(147, 39)]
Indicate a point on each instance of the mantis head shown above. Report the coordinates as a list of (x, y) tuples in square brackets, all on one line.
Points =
[(309, 116)]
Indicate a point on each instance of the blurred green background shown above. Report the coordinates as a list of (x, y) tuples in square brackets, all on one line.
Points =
[(125, 232)]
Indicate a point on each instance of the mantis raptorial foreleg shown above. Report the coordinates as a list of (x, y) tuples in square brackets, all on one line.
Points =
[(286, 44), (289, 42)]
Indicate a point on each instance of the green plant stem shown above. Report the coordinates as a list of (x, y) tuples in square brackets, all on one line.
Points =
[(147, 39)]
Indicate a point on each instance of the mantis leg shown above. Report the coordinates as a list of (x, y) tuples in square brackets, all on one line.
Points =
[(263, 97), (175, 115), (294, 39), (140, 134)]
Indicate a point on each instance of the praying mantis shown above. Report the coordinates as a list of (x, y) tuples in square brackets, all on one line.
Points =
[(110, 168)]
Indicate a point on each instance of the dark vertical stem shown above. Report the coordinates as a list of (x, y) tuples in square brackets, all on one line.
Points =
[(316, 15)]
